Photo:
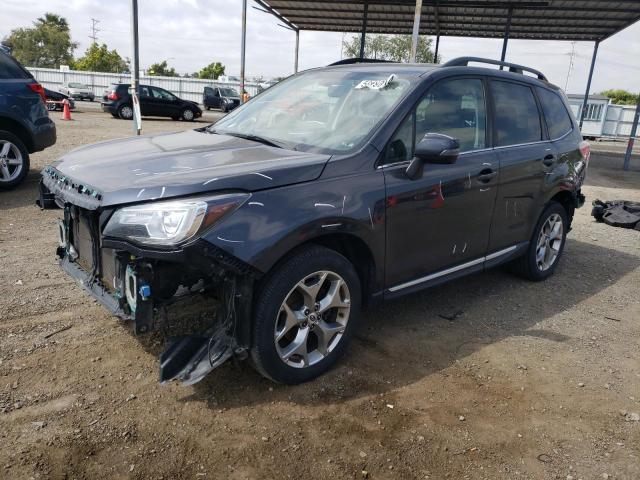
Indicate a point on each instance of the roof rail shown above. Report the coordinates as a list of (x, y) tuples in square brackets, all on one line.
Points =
[(351, 61), (513, 67)]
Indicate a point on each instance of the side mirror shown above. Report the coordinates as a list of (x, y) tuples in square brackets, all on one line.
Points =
[(433, 148)]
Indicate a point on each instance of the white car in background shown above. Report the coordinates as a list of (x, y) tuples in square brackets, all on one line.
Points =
[(77, 91)]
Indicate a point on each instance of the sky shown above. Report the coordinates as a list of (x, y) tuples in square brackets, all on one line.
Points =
[(193, 33)]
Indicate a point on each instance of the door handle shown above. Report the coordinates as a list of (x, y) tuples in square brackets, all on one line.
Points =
[(549, 160), (486, 175)]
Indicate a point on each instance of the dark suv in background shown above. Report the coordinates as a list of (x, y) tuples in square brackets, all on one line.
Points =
[(336, 187), (154, 102), (226, 99), (25, 126)]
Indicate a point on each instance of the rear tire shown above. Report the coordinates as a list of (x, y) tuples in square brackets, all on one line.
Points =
[(546, 245), (305, 314), (125, 112), (14, 160)]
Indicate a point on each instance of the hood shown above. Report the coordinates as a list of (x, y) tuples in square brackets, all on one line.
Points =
[(176, 164), (230, 97)]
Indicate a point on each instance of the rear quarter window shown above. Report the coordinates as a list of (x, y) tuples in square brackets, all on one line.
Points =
[(9, 68), (555, 113), (517, 119)]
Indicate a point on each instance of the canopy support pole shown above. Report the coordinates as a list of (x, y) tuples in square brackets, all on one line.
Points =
[(295, 63), (364, 28), (583, 113), (506, 36), (242, 48), (135, 68), (435, 55), (632, 136), (416, 31)]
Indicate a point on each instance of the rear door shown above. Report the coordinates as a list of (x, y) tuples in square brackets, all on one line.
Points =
[(525, 156), (147, 106), (440, 220)]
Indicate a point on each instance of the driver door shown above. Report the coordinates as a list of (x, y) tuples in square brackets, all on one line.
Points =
[(438, 223)]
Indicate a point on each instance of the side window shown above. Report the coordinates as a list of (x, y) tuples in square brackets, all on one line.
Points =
[(517, 119), (10, 68), (555, 113), (456, 108), (162, 94), (400, 147)]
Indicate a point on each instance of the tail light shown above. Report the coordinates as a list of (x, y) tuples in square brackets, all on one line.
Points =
[(37, 88), (113, 96), (585, 150)]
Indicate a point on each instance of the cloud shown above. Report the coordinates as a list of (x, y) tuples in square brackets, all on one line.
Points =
[(193, 33)]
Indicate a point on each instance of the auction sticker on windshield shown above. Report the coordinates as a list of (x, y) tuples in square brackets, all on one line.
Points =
[(376, 84)]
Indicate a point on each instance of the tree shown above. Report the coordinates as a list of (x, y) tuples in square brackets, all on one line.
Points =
[(395, 48), (98, 58), (621, 97), (162, 69), (213, 71), (47, 44)]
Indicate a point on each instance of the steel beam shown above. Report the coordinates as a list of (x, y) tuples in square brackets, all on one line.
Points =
[(632, 135), (295, 63), (506, 36), (435, 56), (416, 30), (364, 28), (586, 93), (243, 47)]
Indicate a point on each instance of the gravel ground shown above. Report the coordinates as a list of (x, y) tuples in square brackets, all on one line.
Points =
[(531, 381)]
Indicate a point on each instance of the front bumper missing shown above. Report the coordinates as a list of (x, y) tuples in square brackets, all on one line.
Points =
[(94, 288)]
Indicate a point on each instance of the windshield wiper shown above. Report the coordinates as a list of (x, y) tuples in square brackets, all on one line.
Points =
[(255, 138)]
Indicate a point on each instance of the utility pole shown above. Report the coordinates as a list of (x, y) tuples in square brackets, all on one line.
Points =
[(571, 59), (94, 30)]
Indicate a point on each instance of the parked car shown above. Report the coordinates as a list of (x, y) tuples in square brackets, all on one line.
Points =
[(77, 90), (154, 102), (225, 99), (25, 126), (334, 188), (54, 100)]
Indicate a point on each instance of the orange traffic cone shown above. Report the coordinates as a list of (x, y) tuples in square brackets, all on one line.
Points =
[(66, 111)]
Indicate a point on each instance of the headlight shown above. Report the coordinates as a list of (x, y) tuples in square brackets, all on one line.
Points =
[(170, 222)]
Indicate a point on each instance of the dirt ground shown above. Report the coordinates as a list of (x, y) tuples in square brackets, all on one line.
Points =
[(531, 381)]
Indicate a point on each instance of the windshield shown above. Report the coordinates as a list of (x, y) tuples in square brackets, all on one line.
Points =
[(78, 85), (228, 92), (328, 112)]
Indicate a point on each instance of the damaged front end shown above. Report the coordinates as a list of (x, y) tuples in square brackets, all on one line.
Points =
[(140, 283)]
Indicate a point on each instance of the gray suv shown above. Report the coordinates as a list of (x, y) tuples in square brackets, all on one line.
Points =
[(25, 126), (78, 91)]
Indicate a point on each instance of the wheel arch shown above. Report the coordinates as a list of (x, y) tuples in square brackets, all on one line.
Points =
[(354, 249), (566, 198), (18, 130)]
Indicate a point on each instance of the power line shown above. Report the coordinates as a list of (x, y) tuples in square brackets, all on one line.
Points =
[(571, 59), (94, 30)]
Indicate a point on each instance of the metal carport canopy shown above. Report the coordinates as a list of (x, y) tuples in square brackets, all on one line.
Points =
[(569, 20), (583, 20)]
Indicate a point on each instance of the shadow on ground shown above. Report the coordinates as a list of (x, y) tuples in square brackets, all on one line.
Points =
[(405, 340)]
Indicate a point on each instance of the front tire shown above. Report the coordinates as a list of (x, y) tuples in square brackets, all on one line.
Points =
[(305, 314), (546, 245), (188, 115), (14, 160)]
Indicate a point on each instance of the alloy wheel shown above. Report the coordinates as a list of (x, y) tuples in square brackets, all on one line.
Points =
[(11, 161), (126, 112), (187, 115), (549, 242), (312, 319)]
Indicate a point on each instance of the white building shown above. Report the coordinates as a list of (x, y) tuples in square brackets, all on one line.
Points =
[(603, 119)]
